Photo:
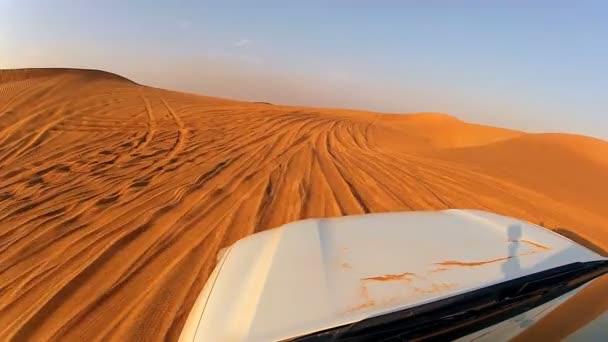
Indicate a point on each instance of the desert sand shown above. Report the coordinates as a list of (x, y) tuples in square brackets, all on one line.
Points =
[(115, 197)]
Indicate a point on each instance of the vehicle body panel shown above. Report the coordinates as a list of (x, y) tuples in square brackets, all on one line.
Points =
[(316, 274)]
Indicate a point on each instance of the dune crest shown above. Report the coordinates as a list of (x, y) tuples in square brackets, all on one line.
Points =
[(9, 75), (115, 197)]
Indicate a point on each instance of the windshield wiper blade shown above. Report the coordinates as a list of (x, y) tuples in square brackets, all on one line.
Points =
[(463, 314)]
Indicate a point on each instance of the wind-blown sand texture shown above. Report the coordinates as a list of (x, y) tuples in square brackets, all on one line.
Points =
[(115, 197)]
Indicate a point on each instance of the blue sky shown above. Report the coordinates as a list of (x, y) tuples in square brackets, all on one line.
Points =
[(530, 65)]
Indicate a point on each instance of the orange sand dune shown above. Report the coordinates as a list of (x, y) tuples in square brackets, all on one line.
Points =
[(115, 197)]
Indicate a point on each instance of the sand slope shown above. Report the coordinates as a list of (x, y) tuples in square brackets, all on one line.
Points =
[(115, 197)]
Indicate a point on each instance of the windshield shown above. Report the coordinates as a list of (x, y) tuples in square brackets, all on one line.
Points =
[(461, 315)]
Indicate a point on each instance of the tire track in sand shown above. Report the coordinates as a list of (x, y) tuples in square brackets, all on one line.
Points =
[(182, 133)]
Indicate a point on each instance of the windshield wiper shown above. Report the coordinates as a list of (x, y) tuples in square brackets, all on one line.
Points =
[(464, 314)]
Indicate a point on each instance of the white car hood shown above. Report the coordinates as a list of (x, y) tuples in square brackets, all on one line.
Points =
[(316, 274)]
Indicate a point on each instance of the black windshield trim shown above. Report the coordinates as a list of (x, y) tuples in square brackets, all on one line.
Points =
[(469, 312)]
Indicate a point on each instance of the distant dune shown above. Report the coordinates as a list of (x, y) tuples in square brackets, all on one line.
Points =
[(115, 197)]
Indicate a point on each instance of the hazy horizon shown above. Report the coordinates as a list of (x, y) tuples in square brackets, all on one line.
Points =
[(534, 67)]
